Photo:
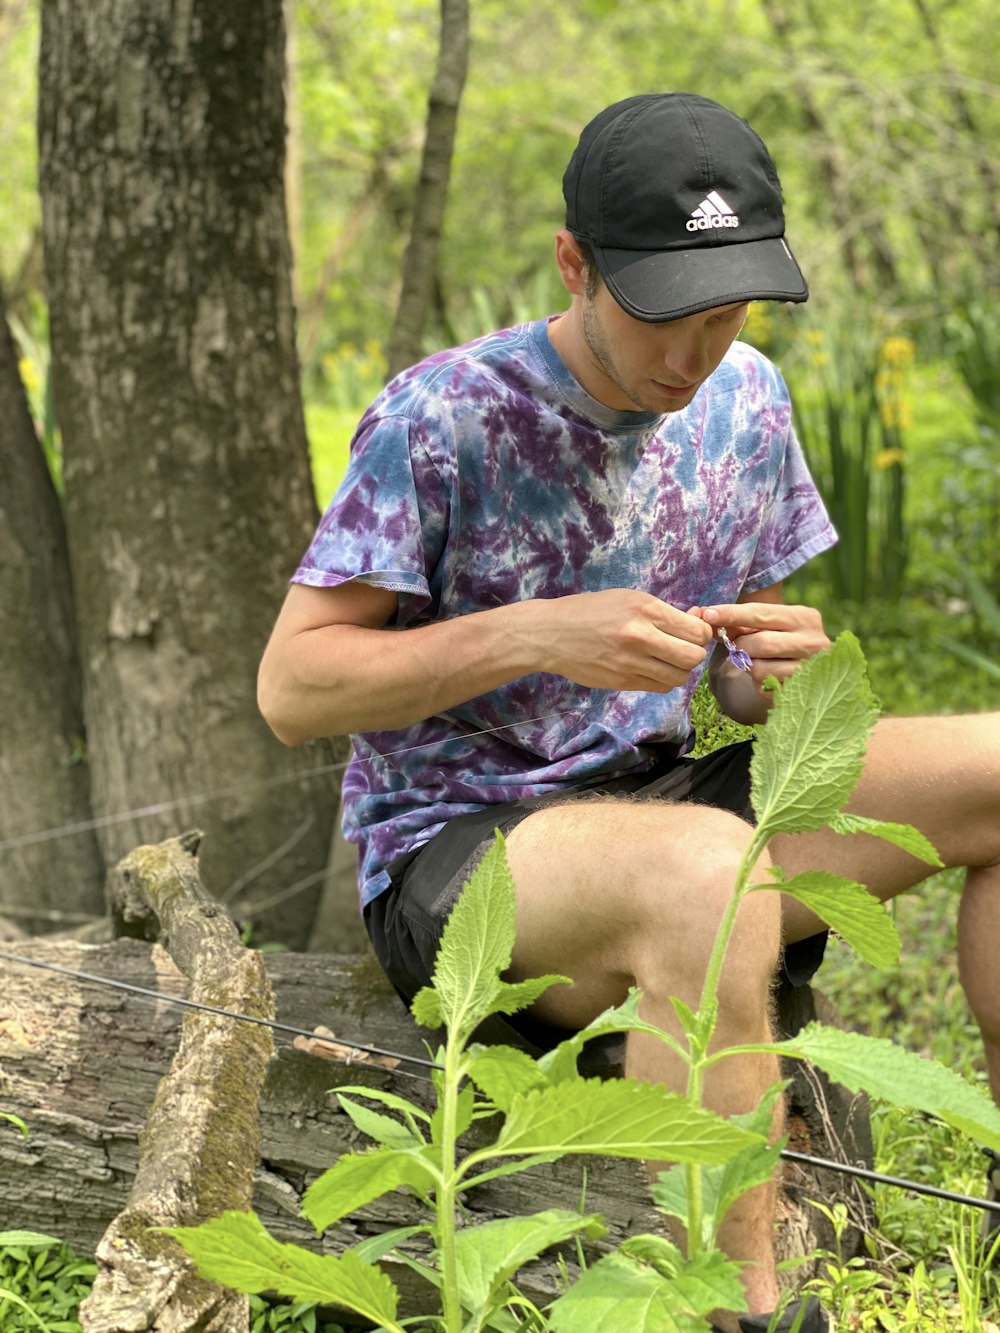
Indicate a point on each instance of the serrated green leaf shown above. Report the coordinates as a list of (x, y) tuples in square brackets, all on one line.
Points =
[(512, 996), (723, 1184), (491, 1253), (624, 1294), (372, 1249), (559, 1065), (618, 1118), (235, 1250), (689, 1020), (357, 1178), (382, 1128), (501, 1072), (426, 1008), (901, 835), (465, 1104), (511, 1168), (477, 943), (809, 755), (884, 1070), (386, 1098), (850, 909)]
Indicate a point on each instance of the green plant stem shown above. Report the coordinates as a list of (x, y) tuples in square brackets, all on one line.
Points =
[(708, 1012), (451, 1305)]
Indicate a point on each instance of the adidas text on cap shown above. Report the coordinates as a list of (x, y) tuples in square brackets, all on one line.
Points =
[(680, 202)]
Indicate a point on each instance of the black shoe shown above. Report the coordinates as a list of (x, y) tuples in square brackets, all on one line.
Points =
[(810, 1316)]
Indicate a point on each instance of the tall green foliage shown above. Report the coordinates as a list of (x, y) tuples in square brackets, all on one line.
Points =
[(807, 760), (851, 415)]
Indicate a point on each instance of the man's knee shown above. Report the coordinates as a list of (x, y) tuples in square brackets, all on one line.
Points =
[(676, 938)]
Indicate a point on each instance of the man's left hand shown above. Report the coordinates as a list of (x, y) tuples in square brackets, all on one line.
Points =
[(777, 637)]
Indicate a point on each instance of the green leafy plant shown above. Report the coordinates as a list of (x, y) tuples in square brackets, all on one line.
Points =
[(807, 760), (41, 1283), (851, 415), (294, 1317)]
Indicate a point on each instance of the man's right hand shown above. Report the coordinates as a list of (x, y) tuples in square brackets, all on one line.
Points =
[(332, 668), (620, 639)]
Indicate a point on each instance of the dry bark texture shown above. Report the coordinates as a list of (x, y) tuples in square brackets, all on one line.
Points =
[(200, 1144), (41, 709), (188, 491)]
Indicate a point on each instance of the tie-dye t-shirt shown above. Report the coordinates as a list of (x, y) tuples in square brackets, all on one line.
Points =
[(486, 475)]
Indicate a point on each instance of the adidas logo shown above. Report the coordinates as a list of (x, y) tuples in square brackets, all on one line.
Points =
[(713, 211)]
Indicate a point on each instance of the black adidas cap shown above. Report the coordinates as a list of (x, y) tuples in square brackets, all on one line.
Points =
[(680, 202)]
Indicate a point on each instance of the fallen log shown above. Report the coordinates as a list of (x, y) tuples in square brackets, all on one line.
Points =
[(200, 1141), (117, 1138), (81, 1063)]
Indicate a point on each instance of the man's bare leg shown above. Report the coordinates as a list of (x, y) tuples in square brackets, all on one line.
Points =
[(941, 774), (618, 893)]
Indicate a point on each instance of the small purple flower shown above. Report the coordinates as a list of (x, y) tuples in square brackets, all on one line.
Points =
[(736, 655)]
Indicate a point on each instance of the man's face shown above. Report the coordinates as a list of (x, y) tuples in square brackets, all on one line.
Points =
[(652, 367)]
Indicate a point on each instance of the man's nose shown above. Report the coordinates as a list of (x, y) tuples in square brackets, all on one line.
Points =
[(685, 356)]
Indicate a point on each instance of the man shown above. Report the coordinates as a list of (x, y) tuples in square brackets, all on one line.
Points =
[(517, 588)]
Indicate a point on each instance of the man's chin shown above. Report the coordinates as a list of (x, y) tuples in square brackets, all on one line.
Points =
[(665, 398)]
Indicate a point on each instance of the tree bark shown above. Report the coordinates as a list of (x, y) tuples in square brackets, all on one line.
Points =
[(85, 1098), (43, 783), (420, 262), (188, 491), (199, 1147)]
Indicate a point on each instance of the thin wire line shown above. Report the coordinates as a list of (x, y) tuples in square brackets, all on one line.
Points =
[(253, 784), (805, 1159), (209, 1008), (266, 862), (292, 891), (992, 1206)]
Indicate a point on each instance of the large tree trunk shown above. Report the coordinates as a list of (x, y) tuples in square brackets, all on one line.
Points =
[(82, 1064), (42, 783), (420, 263), (188, 489)]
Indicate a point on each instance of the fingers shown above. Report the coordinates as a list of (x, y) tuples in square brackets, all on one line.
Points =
[(778, 638), (687, 625), (750, 616)]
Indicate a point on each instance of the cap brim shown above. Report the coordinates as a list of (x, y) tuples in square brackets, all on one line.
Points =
[(655, 286)]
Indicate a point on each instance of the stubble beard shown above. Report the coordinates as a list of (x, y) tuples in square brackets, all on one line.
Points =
[(601, 352)]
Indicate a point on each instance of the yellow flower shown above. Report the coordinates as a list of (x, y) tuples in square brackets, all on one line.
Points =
[(30, 377), (897, 351), (814, 336), (886, 458)]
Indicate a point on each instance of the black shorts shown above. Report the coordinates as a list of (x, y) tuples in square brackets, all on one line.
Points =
[(405, 922)]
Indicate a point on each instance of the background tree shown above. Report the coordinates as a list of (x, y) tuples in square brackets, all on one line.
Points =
[(420, 261), (188, 493), (43, 784)]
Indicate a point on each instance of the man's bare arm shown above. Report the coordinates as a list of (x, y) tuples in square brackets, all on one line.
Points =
[(332, 666)]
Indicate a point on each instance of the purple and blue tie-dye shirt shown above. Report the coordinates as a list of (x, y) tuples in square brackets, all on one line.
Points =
[(486, 475)]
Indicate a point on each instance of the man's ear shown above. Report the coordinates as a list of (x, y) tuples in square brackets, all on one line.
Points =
[(569, 259)]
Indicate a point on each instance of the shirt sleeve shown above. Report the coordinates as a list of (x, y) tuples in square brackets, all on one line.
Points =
[(795, 524), (385, 525)]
